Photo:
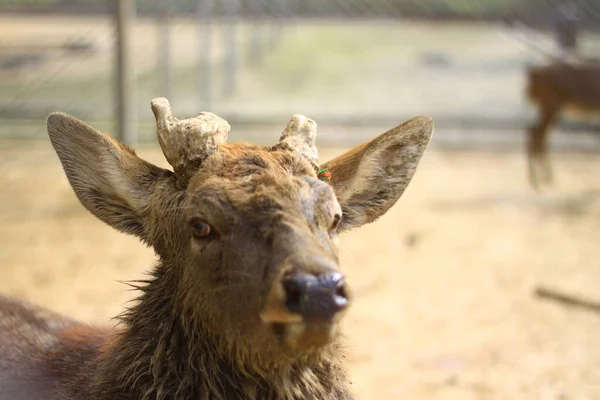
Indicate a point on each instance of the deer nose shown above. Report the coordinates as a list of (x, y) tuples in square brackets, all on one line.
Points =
[(315, 297)]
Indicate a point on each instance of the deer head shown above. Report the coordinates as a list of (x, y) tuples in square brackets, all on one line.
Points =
[(247, 235)]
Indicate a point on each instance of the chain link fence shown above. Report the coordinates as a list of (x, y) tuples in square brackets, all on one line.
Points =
[(255, 62), (534, 12)]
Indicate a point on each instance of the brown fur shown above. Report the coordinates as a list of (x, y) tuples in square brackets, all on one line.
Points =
[(553, 88), (195, 331)]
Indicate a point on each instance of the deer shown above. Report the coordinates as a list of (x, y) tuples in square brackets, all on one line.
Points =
[(555, 87), (566, 81), (247, 296)]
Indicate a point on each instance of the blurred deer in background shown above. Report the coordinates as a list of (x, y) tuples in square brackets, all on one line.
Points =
[(246, 299), (553, 88), (566, 81)]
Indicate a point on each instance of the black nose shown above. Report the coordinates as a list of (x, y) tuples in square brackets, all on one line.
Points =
[(315, 297)]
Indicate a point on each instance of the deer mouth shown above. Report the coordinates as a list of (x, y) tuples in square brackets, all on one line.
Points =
[(307, 336), (303, 334), (305, 311)]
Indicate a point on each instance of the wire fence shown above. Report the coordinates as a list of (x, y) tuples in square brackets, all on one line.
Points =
[(343, 62), (535, 12)]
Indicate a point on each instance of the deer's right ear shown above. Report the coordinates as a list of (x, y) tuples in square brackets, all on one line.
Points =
[(370, 178), (108, 178)]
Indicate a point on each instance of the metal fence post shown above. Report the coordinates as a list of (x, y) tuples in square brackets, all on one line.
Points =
[(230, 9), (125, 75), (279, 10), (164, 49), (205, 43), (256, 49)]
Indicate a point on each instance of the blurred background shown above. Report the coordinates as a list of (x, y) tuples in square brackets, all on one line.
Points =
[(446, 282)]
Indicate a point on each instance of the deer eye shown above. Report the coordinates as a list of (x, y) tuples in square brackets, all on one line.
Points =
[(201, 229), (336, 222)]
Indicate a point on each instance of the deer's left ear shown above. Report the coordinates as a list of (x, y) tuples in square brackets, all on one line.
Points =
[(370, 178), (108, 178)]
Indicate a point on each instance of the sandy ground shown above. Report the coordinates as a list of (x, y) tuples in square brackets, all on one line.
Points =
[(444, 281)]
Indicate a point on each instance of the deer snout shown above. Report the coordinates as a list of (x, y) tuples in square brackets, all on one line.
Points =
[(305, 297), (315, 297)]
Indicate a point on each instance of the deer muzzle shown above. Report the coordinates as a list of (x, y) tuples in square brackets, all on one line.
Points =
[(308, 298)]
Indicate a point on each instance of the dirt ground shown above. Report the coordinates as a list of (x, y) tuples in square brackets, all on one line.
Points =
[(444, 306)]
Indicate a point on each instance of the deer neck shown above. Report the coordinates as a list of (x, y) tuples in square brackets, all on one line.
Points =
[(154, 356)]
